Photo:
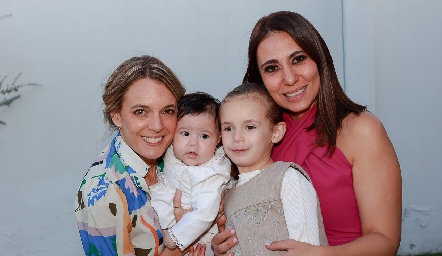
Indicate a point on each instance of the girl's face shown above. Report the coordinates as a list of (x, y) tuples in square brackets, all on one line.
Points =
[(147, 118), (289, 74), (246, 133), (196, 138)]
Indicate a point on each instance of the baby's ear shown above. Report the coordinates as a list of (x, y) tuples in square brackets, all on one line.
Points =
[(278, 132)]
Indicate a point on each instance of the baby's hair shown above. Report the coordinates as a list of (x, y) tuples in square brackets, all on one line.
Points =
[(199, 103), (259, 93)]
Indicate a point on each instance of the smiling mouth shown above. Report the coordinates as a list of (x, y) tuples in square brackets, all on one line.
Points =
[(292, 95), (152, 140)]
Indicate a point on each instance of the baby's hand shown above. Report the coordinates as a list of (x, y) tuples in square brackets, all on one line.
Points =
[(198, 250), (167, 240)]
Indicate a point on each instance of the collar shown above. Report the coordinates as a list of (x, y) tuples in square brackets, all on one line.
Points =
[(131, 158)]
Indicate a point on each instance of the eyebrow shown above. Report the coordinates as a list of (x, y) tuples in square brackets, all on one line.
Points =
[(272, 61), (251, 121), (145, 106), (245, 121)]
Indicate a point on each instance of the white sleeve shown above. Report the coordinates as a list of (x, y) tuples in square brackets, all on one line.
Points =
[(207, 184), (300, 207), (161, 199)]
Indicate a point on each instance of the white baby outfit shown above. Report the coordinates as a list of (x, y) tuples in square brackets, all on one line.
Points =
[(201, 188)]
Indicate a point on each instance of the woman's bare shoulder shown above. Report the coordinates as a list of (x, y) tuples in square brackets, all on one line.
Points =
[(358, 131)]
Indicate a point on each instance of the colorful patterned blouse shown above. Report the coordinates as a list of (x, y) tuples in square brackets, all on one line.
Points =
[(113, 210)]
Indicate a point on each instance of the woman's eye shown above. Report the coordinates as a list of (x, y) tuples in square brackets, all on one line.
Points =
[(227, 128), (204, 136), (169, 111), (140, 112), (270, 69), (299, 58), (185, 133), (250, 127)]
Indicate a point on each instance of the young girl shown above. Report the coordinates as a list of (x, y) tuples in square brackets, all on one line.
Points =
[(196, 166), (271, 201)]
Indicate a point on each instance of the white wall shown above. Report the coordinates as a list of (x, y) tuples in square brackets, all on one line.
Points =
[(393, 64), (70, 47)]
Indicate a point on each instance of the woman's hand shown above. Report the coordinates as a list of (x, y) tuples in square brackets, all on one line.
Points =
[(178, 211), (294, 247), (225, 239), (199, 250)]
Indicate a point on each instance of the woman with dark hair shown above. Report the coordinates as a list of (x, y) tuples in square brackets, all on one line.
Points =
[(344, 148)]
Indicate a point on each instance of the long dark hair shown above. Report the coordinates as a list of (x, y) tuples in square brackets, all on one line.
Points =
[(333, 105)]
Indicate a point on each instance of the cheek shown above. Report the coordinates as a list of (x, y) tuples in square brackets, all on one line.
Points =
[(312, 73), (271, 84), (224, 137), (273, 91), (170, 124)]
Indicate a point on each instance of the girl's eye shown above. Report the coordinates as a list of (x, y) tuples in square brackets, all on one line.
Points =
[(169, 111), (270, 68), (204, 136), (227, 128), (299, 58), (250, 127), (185, 133)]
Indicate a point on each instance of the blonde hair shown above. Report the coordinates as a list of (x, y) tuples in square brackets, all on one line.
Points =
[(128, 73)]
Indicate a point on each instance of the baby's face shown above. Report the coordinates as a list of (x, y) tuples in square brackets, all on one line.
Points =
[(195, 139)]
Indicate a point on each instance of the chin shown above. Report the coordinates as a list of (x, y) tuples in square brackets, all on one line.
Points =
[(153, 155)]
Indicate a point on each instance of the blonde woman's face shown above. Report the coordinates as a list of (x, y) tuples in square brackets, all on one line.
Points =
[(147, 119)]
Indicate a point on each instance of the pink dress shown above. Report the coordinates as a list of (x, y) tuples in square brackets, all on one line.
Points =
[(331, 176)]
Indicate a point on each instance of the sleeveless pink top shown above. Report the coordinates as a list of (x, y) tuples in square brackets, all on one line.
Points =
[(331, 176)]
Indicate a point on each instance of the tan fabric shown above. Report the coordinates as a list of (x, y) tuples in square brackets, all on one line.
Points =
[(261, 209)]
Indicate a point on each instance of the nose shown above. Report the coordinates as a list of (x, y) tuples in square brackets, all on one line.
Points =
[(289, 76), (193, 141), (156, 123), (237, 137)]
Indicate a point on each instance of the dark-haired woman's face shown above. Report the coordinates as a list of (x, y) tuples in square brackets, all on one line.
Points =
[(289, 74)]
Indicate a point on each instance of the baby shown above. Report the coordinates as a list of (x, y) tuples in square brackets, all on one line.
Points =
[(197, 166)]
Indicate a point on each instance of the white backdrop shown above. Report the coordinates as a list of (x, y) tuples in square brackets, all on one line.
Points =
[(393, 64), (53, 132)]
